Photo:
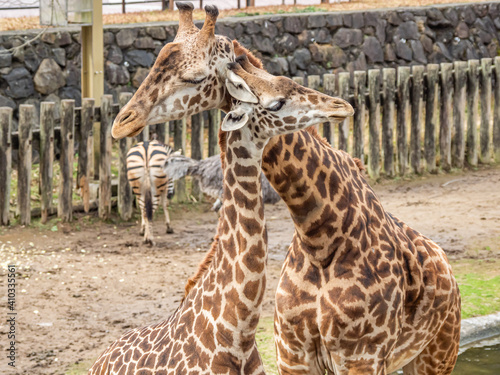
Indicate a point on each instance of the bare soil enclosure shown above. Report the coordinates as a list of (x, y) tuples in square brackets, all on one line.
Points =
[(80, 286)]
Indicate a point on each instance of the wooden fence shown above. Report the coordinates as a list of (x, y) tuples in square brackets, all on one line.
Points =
[(407, 120)]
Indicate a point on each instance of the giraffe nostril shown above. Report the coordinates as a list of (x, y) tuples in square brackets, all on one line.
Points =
[(127, 117)]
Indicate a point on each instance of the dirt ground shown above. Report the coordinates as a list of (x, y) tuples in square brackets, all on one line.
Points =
[(80, 286)]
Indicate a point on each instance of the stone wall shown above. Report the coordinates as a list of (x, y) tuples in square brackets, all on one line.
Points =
[(289, 44)]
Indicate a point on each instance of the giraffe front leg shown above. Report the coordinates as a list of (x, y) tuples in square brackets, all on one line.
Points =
[(165, 210)]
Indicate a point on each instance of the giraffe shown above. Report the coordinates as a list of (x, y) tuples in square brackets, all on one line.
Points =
[(213, 330), (360, 291), (187, 77)]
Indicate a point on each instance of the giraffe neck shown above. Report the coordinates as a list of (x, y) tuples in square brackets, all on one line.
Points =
[(240, 260), (323, 190)]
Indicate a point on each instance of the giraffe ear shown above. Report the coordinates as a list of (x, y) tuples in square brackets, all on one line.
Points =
[(239, 89), (234, 120)]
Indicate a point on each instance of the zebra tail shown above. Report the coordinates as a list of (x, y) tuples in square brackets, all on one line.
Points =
[(147, 196)]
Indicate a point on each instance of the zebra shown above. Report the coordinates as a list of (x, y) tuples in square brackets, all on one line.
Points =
[(149, 182), (209, 174)]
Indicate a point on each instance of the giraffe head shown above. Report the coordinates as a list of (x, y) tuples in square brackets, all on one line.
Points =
[(276, 105), (186, 78)]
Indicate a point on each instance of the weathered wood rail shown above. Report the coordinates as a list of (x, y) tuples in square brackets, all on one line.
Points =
[(408, 120)]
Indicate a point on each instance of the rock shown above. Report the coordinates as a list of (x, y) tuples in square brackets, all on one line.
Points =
[(302, 58), (426, 43), (451, 15), (20, 83), (73, 74), (459, 50), (292, 25), (273, 67), (263, 45), (393, 18), (493, 48), (407, 30), (354, 20), (63, 38), (145, 42), (403, 50), (373, 50), (116, 74), (157, 32), (462, 30), (292, 65), (407, 16), (380, 31), (418, 51), (316, 21), (109, 38), (5, 58), (372, 18), (306, 37), (468, 15), (481, 9), (338, 58), (126, 37), (334, 21), (329, 56), (497, 23), (48, 37), (252, 27), (115, 54), (283, 62), (139, 57), (139, 76), (36, 104), (238, 30), (7, 102), (29, 58), (71, 93), (436, 19), (323, 36), (360, 63), (389, 54), (59, 56), (286, 44), (442, 48), (72, 51), (222, 29), (347, 37), (49, 77), (269, 29), (485, 37)]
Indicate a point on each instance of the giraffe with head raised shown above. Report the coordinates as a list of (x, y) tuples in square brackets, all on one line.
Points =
[(213, 330), (360, 291)]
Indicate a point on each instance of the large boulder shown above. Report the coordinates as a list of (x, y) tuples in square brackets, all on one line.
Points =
[(373, 50), (140, 58), (115, 54), (116, 74), (348, 37), (139, 76), (49, 77), (20, 83), (126, 37), (302, 58), (7, 102)]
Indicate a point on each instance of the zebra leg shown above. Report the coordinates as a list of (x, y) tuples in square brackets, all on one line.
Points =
[(165, 210), (143, 222)]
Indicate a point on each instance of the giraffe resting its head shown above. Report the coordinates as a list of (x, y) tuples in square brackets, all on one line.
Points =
[(186, 78), (276, 105)]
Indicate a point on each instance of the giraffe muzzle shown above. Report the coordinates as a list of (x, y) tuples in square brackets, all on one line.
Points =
[(126, 125)]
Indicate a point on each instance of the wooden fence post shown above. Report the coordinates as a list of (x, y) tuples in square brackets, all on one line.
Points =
[(329, 88), (374, 121), (5, 163), (105, 161), (473, 108), (431, 110), (359, 114), (446, 120), (417, 101), (85, 148), (388, 89), (213, 131), (402, 117), (484, 139), (496, 117), (180, 143), (65, 205), (47, 110), (197, 126), (26, 122), (313, 82), (299, 80), (458, 145), (344, 126), (125, 196)]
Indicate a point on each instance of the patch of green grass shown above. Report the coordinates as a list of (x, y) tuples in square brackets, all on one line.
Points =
[(311, 9), (265, 344), (480, 294)]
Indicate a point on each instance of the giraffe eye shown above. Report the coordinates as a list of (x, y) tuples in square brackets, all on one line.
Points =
[(194, 81), (277, 105)]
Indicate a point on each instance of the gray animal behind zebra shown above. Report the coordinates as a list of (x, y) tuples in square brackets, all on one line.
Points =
[(150, 183), (208, 173)]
